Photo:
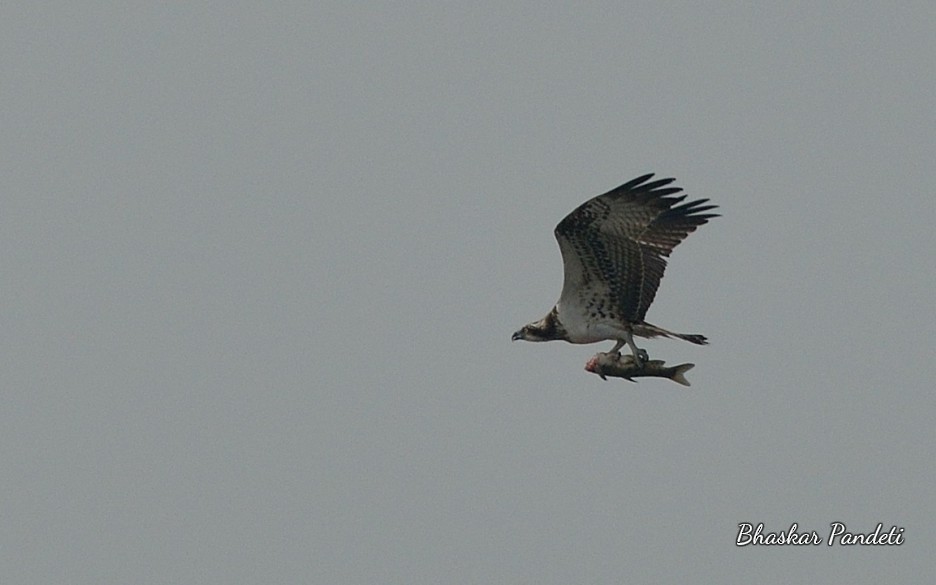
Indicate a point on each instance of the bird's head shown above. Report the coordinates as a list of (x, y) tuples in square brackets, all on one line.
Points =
[(531, 332), (546, 329)]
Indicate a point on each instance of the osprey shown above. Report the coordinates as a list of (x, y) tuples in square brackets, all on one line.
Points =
[(614, 248)]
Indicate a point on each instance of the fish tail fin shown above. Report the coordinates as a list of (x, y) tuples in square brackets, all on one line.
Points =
[(679, 374)]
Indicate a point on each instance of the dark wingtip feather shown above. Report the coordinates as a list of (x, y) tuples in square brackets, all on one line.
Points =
[(693, 209), (646, 190), (634, 182), (660, 183)]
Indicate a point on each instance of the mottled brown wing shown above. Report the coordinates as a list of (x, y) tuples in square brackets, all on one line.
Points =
[(616, 244)]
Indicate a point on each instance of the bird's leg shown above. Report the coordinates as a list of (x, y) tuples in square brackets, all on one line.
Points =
[(617, 347), (640, 355)]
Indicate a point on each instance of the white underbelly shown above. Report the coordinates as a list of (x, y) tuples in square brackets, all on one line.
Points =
[(583, 330)]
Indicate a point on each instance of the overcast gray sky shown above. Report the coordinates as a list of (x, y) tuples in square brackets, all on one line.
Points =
[(260, 268)]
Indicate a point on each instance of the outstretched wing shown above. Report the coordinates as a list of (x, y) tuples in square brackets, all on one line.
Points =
[(616, 244)]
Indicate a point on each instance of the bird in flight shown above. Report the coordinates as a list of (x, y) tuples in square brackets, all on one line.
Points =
[(614, 249)]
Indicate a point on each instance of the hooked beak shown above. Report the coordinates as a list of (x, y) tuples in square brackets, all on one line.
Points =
[(516, 336)]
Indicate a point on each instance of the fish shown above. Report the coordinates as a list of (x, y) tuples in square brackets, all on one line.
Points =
[(614, 364)]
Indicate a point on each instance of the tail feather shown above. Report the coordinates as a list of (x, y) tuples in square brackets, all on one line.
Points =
[(649, 331), (693, 338)]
